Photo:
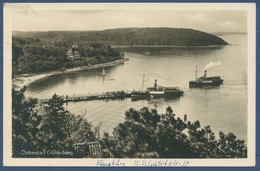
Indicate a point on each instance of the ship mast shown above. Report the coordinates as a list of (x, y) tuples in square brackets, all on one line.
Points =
[(196, 72), (143, 82)]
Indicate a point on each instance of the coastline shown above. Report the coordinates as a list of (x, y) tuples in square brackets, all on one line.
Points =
[(24, 80)]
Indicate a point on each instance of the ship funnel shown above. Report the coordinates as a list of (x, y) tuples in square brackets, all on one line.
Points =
[(205, 73), (155, 83)]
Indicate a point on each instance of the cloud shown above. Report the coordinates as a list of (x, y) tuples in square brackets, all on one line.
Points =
[(215, 21), (197, 17), (230, 26)]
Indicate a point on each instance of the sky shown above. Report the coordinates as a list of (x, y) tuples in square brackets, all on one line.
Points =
[(49, 19)]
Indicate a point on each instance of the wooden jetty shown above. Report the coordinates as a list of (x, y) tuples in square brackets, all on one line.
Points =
[(104, 96)]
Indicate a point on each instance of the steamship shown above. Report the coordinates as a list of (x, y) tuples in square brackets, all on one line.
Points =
[(205, 80), (157, 91)]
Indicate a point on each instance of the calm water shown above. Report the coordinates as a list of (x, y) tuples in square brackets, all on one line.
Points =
[(224, 108)]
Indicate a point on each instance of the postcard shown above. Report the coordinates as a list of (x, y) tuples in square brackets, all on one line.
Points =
[(129, 84)]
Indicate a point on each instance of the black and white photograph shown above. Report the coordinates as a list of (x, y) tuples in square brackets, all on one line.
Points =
[(129, 84)]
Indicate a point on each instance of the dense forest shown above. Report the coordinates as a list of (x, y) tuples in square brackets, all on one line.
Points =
[(31, 55), (38, 129), (132, 36)]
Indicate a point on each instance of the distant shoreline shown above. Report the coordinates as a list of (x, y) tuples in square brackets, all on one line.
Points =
[(174, 46), (24, 80)]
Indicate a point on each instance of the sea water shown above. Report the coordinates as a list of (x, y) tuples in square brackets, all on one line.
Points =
[(224, 107)]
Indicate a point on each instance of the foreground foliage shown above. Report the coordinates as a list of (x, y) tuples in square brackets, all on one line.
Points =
[(57, 129), (146, 134), (25, 122)]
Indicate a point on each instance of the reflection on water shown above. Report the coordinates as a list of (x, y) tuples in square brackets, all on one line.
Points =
[(165, 50), (156, 99), (209, 87)]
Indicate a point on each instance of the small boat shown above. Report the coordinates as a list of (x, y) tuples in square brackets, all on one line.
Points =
[(103, 73), (156, 91), (205, 80)]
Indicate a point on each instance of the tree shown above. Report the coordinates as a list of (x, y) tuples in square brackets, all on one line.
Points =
[(171, 141), (202, 141), (53, 129), (230, 147), (79, 130), (60, 129), (25, 122), (147, 134), (134, 137)]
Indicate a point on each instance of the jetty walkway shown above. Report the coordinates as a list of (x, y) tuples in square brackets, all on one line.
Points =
[(106, 95)]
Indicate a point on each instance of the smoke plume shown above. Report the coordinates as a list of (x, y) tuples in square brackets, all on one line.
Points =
[(212, 64)]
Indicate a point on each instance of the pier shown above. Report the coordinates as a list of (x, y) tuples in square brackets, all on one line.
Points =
[(105, 96)]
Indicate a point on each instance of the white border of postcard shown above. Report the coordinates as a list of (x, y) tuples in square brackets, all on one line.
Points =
[(30, 7)]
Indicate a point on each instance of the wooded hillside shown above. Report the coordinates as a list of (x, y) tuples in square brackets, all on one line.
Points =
[(31, 55), (131, 36)]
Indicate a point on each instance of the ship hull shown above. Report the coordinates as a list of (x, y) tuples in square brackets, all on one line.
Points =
[(149, 98), (204, 83), (156, 94), (140, 94)]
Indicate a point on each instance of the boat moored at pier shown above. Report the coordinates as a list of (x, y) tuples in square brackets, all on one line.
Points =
[(156, 91)]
